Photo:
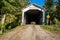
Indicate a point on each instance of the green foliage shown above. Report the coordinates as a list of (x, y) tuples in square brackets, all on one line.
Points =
[(11, 6), (12, 9), (9, 27), (48, 3), (53, 9), (57, 22), (10, 18), (57, 14), (33, 23), (51, 27), (2, 28)]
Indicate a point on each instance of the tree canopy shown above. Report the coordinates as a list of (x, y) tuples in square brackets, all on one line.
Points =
[(12, 9)]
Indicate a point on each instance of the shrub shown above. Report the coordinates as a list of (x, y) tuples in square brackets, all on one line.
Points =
[(33, 23), (57, 23), (2, 28)]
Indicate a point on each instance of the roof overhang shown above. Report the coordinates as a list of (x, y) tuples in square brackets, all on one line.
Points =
[(33, 7)]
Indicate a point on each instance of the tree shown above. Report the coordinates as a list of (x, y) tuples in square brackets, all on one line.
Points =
[(58, 10), (48, 7), (10, 11)]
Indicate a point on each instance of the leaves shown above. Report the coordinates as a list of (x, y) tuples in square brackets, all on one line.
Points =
[(12, 9)]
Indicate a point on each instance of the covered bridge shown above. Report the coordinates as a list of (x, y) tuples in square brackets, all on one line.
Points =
[(33, 13)]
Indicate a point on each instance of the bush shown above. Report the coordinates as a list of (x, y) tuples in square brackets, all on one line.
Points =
[(57, 23), (33, 23), (2, 28)]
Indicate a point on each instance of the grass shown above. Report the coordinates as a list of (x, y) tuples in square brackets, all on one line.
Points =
[(9, 30), (51, 27)]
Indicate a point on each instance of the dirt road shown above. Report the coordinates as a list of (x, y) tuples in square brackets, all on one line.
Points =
[(30, 33)]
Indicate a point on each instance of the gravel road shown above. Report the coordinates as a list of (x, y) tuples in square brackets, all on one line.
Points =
[(31, 32)]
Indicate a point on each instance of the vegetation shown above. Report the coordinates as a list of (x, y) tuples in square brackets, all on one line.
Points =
[(52, 8), (12, 9), (2, 28), (57, 23), (58, 10), (33, 23), (49, 10), (51, 27)]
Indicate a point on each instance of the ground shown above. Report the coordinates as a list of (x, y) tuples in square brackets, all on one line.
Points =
[(29, 32)]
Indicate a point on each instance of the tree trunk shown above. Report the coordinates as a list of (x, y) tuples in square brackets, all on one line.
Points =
[(3, 19)]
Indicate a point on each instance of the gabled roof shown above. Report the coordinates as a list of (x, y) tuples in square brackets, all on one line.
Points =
[(38, 6), (34, 5)]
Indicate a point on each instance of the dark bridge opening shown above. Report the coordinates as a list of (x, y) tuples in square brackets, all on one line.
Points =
[(33, 16)]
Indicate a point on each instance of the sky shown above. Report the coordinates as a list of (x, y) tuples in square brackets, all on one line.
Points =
[(39, 2)]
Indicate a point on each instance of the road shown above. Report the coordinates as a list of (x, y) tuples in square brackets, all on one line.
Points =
[(31, 32)]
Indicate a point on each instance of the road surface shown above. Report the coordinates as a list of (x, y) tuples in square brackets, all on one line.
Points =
[(31, 32)]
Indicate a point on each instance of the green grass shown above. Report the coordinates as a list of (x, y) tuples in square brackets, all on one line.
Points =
[(51, 27), (9, 30)]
